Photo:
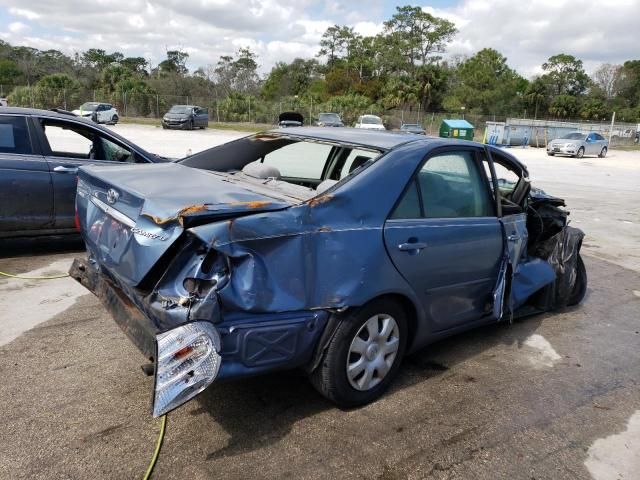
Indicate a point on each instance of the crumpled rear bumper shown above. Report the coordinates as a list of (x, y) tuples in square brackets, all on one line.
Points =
[(140, 329), (251, 343)]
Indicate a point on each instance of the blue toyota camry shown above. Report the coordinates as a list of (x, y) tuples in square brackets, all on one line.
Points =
[(337, 251)]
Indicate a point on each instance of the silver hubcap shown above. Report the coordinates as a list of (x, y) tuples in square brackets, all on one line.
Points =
[(373, 351)]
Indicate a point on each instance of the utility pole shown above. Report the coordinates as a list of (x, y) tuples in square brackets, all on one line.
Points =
[(613, 119)]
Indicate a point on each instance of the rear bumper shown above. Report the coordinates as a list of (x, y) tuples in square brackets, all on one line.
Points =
[(139, 328), (251, 343)]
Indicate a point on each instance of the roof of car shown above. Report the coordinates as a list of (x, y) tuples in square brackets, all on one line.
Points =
[(354, 136), (40, 112)]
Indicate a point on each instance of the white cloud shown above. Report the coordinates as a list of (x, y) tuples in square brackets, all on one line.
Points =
[(368, 29), (21, 12), (18, 27)]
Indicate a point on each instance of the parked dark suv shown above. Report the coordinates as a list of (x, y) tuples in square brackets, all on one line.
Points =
[(186, 117), (40, 153)]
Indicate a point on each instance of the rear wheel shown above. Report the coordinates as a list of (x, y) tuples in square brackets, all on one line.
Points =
[(603, 152), (364, 355), (191, 125), (580, 285), (551, 154), (580, 153), (114, 119)]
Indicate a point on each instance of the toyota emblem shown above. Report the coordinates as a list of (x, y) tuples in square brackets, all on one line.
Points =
[(112, 196)]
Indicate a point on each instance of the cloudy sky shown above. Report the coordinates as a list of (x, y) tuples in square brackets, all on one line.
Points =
[(526, 32)]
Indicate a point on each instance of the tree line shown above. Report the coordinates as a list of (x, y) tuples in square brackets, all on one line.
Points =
[(401, 68)]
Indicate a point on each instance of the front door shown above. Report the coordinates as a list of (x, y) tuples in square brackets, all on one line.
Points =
[(445, 239), (67, 147)]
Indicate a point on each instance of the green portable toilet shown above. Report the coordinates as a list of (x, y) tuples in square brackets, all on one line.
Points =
[(456, 129)]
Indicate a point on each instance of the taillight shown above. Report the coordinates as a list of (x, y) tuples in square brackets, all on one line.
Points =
[(77, 220)]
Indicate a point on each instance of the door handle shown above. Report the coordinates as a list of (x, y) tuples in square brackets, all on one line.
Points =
[(62, 169), (513, 238), (411, 246)]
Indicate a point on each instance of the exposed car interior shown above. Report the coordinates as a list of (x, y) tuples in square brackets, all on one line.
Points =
[(76, 141), (301, 168)]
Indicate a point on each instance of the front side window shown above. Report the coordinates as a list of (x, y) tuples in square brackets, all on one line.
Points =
[(14, 135), (449, 185), (71, 141), (300, 160)]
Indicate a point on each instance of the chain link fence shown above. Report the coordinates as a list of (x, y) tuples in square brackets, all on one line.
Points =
[(237, 108)]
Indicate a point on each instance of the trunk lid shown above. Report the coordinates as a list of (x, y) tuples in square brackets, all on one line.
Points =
[(131, 215)]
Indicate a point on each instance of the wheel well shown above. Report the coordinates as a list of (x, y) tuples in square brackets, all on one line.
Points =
[(410, 313)]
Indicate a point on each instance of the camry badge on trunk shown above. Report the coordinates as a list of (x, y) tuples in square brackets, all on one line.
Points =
[(144, 233), (112, 196)]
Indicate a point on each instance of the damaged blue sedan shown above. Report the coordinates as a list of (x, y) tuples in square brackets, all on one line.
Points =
[(337, 251)]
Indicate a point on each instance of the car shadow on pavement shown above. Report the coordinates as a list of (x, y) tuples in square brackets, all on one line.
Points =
[(32, 246), (442, 356), (259, 411)]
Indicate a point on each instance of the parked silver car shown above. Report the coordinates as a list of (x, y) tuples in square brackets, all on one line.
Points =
[(579, 144)]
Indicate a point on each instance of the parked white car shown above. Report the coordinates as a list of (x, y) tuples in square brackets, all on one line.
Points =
[(370, 122), (98, 112)]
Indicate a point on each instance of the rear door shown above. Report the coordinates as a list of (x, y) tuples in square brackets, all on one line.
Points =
[(67, 146), (26, 193), (445, 238)]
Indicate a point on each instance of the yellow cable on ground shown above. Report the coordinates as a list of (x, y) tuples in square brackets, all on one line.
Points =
[(156, 452), (26, 277)]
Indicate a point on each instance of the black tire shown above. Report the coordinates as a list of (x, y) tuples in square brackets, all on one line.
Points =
[(114, 119), (551, 154), (580, 286), (580, 153), (164, 127), (603, 152), (330, 377), (94, 117), (191, 125)]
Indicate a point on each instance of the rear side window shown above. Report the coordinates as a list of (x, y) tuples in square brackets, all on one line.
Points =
[(300, 160), (14, 135), (449, 185), (356, 159)]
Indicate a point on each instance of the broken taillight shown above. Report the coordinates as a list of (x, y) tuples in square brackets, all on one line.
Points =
[(77, 220)]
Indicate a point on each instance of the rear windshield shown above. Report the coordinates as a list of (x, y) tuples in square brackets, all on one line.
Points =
[(371, 120), (89, 107), (574, 136), (328, 117)]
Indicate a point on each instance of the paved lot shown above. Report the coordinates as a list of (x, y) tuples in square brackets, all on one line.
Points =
[(554, 396)]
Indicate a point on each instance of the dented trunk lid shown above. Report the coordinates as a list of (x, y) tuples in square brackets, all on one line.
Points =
[(131, 215)]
